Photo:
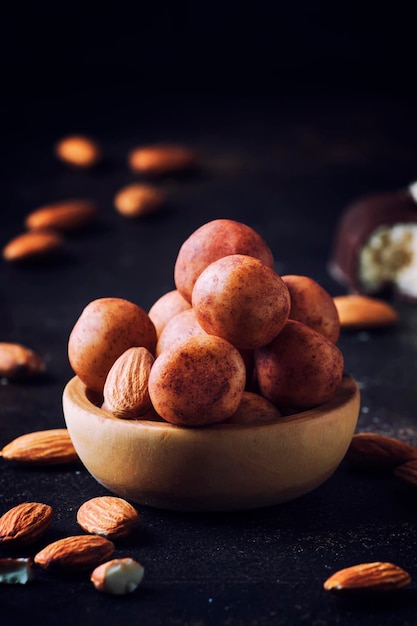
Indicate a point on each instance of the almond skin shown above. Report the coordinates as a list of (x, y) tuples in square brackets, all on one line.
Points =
[(17, 361), (371, 451), (79, 151), (376, 576), (137, 200), (125, 391), (162, 159), (357, 311), (62, 216), (32, 245), (407, 472), (43, 447), (108, 516), (25, 523), (75, 553)]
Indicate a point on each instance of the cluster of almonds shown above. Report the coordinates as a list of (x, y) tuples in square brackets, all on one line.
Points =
[(47, 225), (104, 518)]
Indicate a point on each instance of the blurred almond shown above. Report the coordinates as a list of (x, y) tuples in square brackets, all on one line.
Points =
[(17, 361), (407, 472), (372, 451), (63, 216), (138, 199), (32, 245), (162, 159), (79, 151), (357, 311)]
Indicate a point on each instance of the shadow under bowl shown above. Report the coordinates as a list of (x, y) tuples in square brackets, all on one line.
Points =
[(216, 468)]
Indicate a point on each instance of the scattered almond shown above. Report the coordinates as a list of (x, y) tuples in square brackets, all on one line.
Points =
[(17, 361), (63, 216), (125, 390), (75, 553), (371, 451), (138, 199), (118, 577), (162, 159), (25, 523), (357, 311), (16, 571), (79, 151), (376, 576), (407, 472), (108, 516), (43, 447), (32, 245)]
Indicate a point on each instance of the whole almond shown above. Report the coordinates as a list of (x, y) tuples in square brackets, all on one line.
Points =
[(32, 245), (162, 159), (62, 216), (79, 151), (25, 523), (107, 516), (118, 576), (16, 571), (407, 472), (376, 576), (17, 361), (372, 451), (75, 553), (43, 447), (125, 390), (357, 311), (138, 199)]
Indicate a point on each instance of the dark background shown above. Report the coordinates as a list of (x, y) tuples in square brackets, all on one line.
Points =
[(296, 110)]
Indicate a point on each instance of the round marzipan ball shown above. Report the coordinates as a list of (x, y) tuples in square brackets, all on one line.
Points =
[(198, 381), (164, 309), (299, 369), (213, 241), (106, 328), (242, 300), (313, 305)]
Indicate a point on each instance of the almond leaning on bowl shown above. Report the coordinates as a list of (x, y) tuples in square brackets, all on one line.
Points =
[(125, 390)]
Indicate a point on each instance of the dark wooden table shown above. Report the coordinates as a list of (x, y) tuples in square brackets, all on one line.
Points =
[(287, 165)]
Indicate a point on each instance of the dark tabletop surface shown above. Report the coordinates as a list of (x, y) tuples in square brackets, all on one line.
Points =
[(286, 161)]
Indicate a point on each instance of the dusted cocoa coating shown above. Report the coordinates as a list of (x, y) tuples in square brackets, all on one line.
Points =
[(211, 242), (357, 224)]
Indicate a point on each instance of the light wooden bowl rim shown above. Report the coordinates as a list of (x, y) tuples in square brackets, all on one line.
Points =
[(221, 467)]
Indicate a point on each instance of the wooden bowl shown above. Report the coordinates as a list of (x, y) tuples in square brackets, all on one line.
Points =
[(216, 468)]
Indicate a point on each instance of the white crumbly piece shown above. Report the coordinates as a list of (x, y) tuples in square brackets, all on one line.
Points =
[(118, 576), (16, 571), (390, 258)]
